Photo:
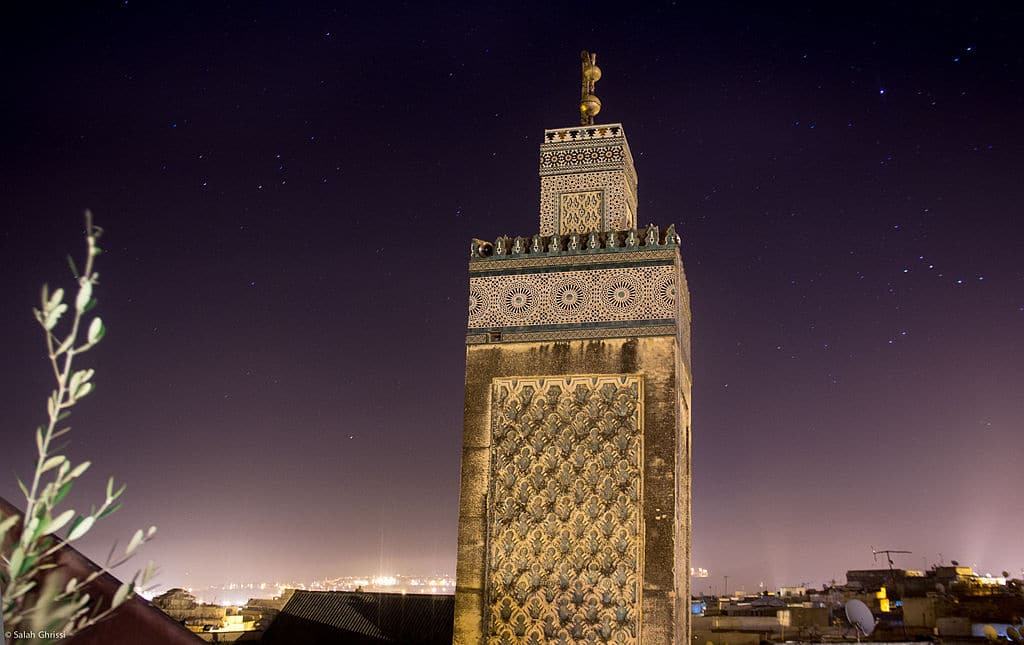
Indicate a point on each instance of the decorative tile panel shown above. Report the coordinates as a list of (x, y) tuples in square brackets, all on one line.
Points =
[(619, 206), (565, 533), (580, 212), (580, 297), (568, 159)]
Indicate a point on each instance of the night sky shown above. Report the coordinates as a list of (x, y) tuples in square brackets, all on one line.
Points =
[(289, 190)]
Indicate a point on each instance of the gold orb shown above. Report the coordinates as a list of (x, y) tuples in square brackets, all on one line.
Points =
[(590, 105), (592, 73)]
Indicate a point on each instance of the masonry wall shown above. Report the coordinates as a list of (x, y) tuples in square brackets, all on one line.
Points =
[(664, 504)]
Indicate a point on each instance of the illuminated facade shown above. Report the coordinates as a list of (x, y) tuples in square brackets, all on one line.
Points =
[(574, 519)]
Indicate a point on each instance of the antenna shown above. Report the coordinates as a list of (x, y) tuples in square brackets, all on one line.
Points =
[(860, 617), (888, 554)]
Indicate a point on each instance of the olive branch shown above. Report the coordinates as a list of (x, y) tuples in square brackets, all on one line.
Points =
[(37, 595)]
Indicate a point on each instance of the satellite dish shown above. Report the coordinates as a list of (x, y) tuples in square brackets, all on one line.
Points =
[(990, 633), (860, 616), (1014, 634)]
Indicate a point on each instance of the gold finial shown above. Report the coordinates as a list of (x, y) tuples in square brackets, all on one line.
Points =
[(590, 105)]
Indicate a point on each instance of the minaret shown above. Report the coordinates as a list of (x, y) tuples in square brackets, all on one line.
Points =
[(574, 516)]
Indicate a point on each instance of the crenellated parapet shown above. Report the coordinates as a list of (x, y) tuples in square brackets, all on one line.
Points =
[(506, 247), (608, 284), (560, 135)]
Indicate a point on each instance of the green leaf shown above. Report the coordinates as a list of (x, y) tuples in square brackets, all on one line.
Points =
[(108, 510), (52, 462), (96, 331), (32, 528), (111, 494), (54, 300), (135, 542), (23, 487), (79, 385), (53, 316), (84, 295), (39, 439), (24, 589), (150, 571), (84, 390), (121, 595), (58, 522), (81, 528), (65, 346), (79, 469), (74, 269), (62, 493), (17, 559), (6, 526), (77, 379)]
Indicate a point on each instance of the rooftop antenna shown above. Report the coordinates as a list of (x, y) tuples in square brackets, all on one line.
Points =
[(590, 105), (888, 554)]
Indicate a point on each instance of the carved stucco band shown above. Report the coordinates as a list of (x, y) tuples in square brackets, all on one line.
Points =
[(565, 533), (619, 196), (576, 334), (581, 297), (581, 211)]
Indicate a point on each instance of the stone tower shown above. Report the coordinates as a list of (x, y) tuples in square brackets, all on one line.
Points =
[(574, 517)]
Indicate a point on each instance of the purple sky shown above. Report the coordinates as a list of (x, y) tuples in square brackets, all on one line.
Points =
[(288, 192)]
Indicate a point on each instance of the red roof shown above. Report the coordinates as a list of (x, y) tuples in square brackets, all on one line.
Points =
[(135, 622)]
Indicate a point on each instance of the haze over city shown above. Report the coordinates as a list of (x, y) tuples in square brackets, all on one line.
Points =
[(289, 192)]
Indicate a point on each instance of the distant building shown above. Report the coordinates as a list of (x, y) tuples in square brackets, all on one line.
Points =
[(750, 620), (948, 601), (182, 607)]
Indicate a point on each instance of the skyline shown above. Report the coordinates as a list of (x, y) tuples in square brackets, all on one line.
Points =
[(288, 196)]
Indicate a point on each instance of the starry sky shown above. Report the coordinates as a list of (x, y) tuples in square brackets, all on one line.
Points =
[(288, 190)]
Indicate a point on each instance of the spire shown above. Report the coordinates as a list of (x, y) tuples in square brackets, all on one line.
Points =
[(587, 179), (590, 105)]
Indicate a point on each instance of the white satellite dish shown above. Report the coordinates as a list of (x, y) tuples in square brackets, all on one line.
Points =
[(860, 616), (1014, 634), (990, 633)]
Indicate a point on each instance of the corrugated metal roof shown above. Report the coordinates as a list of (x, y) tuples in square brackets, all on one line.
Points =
[(312, 617)]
